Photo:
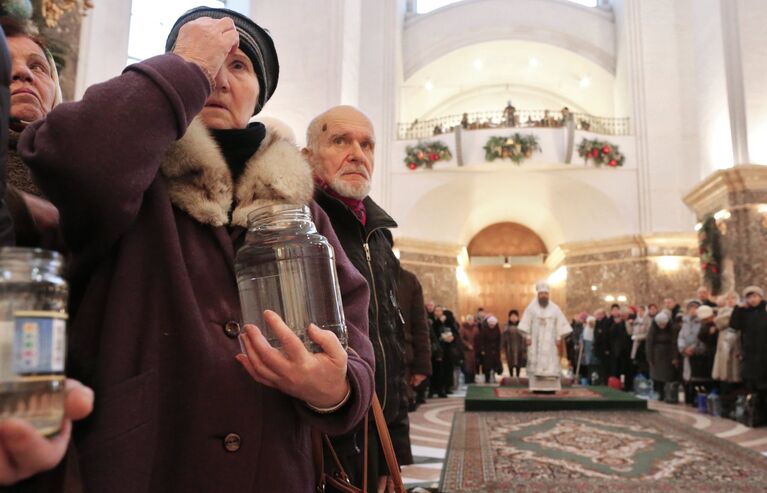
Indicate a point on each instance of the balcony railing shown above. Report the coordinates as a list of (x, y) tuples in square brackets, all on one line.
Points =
[(517, 119)]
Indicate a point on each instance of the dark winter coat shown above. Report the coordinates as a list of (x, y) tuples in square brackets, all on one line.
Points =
[(752, 323), (35, 219), (619, 340), (514, 346), (6, 226), (602, 339), (702, 364), (369, 248), (451, 353), (469, 333), (662, 353), (154, 305), (417, 337), (489, 347)]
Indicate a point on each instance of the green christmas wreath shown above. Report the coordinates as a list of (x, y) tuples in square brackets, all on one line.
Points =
[(517, 147), (425, 154), (601, 152), (710, 241)]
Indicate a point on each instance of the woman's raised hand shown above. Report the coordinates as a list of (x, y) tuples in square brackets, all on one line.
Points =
[(207, 42)]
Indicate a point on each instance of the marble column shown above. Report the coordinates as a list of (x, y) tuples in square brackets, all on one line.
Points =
[(738, 199)]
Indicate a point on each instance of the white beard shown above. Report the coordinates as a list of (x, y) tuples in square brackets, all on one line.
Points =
[(358, 192)]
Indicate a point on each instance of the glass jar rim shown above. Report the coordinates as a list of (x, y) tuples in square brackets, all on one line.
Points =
[(285, 211), (27, 253)]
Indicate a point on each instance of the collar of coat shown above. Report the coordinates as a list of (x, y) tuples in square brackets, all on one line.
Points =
[(199, 181), (376, 216)]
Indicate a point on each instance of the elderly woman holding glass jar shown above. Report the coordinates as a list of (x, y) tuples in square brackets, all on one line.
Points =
[(154, 173)]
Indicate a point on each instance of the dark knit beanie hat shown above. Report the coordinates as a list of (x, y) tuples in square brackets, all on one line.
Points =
[(255, 42)]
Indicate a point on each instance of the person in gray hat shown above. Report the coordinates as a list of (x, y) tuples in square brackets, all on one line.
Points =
[(662, 354), (154, 173), (688, 344)]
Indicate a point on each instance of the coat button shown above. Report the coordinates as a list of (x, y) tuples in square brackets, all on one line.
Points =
[(232, 442), (232, 329)]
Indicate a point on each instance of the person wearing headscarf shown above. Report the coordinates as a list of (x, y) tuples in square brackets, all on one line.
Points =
[(689, 345), (727, 360), (154, 173), (661, 352), (750, 320), (469, 331), (34, 92), (489, 348), (513, 344)]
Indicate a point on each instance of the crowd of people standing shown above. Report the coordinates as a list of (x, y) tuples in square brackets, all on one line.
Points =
[(700, 348)]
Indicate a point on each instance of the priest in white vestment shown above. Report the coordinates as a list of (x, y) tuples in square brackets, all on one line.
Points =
[(545, 326)]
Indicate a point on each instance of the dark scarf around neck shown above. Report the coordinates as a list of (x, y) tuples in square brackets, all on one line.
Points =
[(238, 145)]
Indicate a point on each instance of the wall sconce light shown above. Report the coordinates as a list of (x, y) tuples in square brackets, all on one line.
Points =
[(721, 217), (668, 263), (594, 287), (762, 209), (558, 277), (461, 277), (610, 298), (622, 299)]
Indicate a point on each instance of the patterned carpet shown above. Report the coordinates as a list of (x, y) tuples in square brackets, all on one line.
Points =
[(431, 425), (566, 393), (591, 452)]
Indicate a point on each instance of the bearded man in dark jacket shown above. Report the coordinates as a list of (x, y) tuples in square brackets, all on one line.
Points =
[(340, 148)]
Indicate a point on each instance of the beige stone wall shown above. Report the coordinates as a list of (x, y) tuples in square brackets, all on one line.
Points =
[(434, 264), (437, 277), (641, 280), (641, 269)]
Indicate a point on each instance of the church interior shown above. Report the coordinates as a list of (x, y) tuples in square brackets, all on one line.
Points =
[(608, 154)]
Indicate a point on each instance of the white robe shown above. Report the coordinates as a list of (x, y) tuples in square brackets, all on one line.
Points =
[(546, 326)]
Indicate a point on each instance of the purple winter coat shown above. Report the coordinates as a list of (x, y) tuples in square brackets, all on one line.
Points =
[(153, 289)]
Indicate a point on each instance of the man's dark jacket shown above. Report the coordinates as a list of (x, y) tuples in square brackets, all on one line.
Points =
[(369, 248), (752, 323)]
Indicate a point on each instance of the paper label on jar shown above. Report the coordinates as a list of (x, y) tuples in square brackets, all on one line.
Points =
[(39, 343), (6, 351)]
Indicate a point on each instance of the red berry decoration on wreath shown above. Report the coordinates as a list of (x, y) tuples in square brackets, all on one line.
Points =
[(425, 154), (601, 153)]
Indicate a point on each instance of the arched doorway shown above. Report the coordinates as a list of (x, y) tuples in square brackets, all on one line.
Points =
[(506, 260)]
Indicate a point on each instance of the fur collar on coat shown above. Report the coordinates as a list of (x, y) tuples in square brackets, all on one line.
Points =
[(199, 181)]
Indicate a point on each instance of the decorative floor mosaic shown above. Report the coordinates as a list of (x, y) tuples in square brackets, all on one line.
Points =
[(593, 451)]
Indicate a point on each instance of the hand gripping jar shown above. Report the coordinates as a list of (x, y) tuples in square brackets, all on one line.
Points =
[(287, 267), (33, 315)]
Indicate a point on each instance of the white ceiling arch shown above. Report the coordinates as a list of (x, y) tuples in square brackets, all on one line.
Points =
[(587, 31), (484, 76)]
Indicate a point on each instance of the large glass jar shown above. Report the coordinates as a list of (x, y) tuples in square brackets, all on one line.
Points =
[(33, 315), (287, 267)]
